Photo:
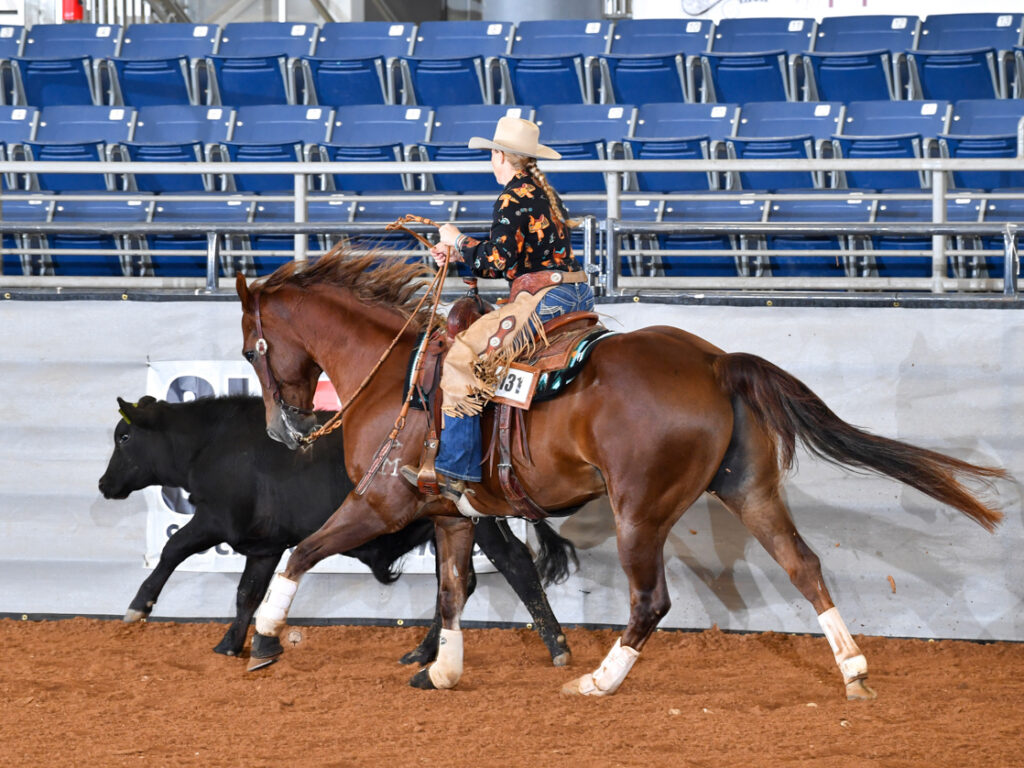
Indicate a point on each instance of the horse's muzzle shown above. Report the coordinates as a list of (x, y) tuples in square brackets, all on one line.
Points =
[(290, 429)]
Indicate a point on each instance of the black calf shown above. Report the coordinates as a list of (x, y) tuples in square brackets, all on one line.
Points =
[(262, 498)]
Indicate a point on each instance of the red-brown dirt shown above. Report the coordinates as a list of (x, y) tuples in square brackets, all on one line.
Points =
[(85, 692)]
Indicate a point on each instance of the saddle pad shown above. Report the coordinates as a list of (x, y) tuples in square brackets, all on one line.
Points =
[(551, 383)]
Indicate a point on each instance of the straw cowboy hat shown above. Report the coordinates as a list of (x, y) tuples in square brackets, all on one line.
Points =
[(518, 136)]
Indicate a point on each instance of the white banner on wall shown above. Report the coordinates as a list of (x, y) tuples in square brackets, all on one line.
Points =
[(817, 9), (168, 509)]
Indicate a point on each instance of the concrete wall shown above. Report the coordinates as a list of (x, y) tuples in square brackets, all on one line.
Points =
[(947, 379)]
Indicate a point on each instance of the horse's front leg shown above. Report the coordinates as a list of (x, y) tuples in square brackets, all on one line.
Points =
[(355, 522), (454, 537)]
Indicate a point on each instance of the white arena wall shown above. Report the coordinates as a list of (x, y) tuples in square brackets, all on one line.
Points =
[(947, 379)]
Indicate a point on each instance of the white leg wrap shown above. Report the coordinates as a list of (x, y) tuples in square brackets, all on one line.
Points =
[(446, 671), (273, 611), (607, 678), (851, 661)]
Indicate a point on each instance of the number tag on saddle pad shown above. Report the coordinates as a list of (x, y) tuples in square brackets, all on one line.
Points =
[(517, 386)]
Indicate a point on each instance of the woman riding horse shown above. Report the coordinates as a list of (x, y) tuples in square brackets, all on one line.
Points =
[(528, 246)]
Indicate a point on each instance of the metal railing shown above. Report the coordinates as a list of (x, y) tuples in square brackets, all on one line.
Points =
[(603, 261)]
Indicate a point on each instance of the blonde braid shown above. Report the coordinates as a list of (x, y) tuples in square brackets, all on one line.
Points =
[(558, 210)]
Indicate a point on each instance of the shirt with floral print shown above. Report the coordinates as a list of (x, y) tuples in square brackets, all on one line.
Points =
[(524, 236)]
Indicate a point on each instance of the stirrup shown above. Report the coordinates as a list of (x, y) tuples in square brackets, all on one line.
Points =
[(449, 488)]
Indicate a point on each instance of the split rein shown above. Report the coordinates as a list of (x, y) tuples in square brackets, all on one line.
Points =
[(433, 292)]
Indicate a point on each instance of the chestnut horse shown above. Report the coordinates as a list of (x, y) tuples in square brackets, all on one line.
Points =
[(655, 419)]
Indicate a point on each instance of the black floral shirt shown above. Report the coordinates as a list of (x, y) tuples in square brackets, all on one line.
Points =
[(524, 237)]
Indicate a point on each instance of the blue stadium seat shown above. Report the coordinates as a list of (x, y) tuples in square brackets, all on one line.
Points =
[(857, 58), (672, 120), (783, 147), (375, 133), (17, 124), (381, 124), (830, 207), (915, 211), (610, 123), (443, 81), (191, 211), (744, 77), (634, 79), (274, 133), (658, 36), (176, 133), (364, 40), (252, 61), (439, 39), (11, 38), (556, 37), (577, 181), (22, 210), (759, 34), (961, 31), (558, 79), (890, 129), (749, 41), (986, 128), (157, 63), (339, 81), (98, 209), (680, 131), (459, 182), (955, 75), (384, 212), (43, 79), (882, 118), (73, 133), (457, 124), (275, 211), (709, 208)]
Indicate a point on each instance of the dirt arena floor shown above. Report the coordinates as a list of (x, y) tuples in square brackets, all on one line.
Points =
[(86, 692)]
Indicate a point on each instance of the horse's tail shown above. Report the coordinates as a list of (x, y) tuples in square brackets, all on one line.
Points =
[(555, 554), (788, 408)]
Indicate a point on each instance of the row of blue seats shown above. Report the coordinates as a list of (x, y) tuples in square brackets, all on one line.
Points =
[(672, 260), (973, 128), (962, 56)]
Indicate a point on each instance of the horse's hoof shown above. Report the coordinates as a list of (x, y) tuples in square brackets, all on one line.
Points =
[(572, 688), (266, 649), (858, 690), (422, 680), (416, 657), (562, 660), (131, 616)]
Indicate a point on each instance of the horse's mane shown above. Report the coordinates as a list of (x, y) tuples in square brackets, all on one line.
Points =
[(373, 278)]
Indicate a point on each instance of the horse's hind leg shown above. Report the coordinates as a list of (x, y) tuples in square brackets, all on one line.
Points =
[(748, 484), (512, 558)]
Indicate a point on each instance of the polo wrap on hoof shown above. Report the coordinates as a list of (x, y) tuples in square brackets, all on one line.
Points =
[(274, 609), (851, 661), (607, 678), (446, 671)]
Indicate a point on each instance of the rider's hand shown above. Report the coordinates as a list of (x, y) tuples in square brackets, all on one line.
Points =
[(448, 234), (443, 254)]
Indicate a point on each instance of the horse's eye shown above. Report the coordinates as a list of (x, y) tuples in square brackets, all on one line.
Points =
[(249, 355), (125, 437)]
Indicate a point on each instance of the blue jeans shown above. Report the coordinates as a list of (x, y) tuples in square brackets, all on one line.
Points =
[(461, 451)]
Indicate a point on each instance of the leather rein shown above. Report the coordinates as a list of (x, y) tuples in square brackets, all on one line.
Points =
[(433, 291)]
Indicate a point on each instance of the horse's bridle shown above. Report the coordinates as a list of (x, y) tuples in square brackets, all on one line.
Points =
[(263, 353)]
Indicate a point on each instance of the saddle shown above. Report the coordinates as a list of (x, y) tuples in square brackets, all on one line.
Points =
[(570, 338)]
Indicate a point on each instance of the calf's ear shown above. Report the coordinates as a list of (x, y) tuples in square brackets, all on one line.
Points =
[(127, 410), (136, 413), (145, 400)]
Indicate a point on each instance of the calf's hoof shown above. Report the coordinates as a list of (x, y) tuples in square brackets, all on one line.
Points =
[(266, 649), (563, 659), (228, 648), (858, 690), (133, 615), (419, 656)]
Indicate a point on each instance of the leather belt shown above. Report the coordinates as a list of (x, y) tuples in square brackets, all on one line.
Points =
[(532, 282)]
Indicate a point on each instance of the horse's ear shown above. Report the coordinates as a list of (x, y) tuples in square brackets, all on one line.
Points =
[(243, 290)]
